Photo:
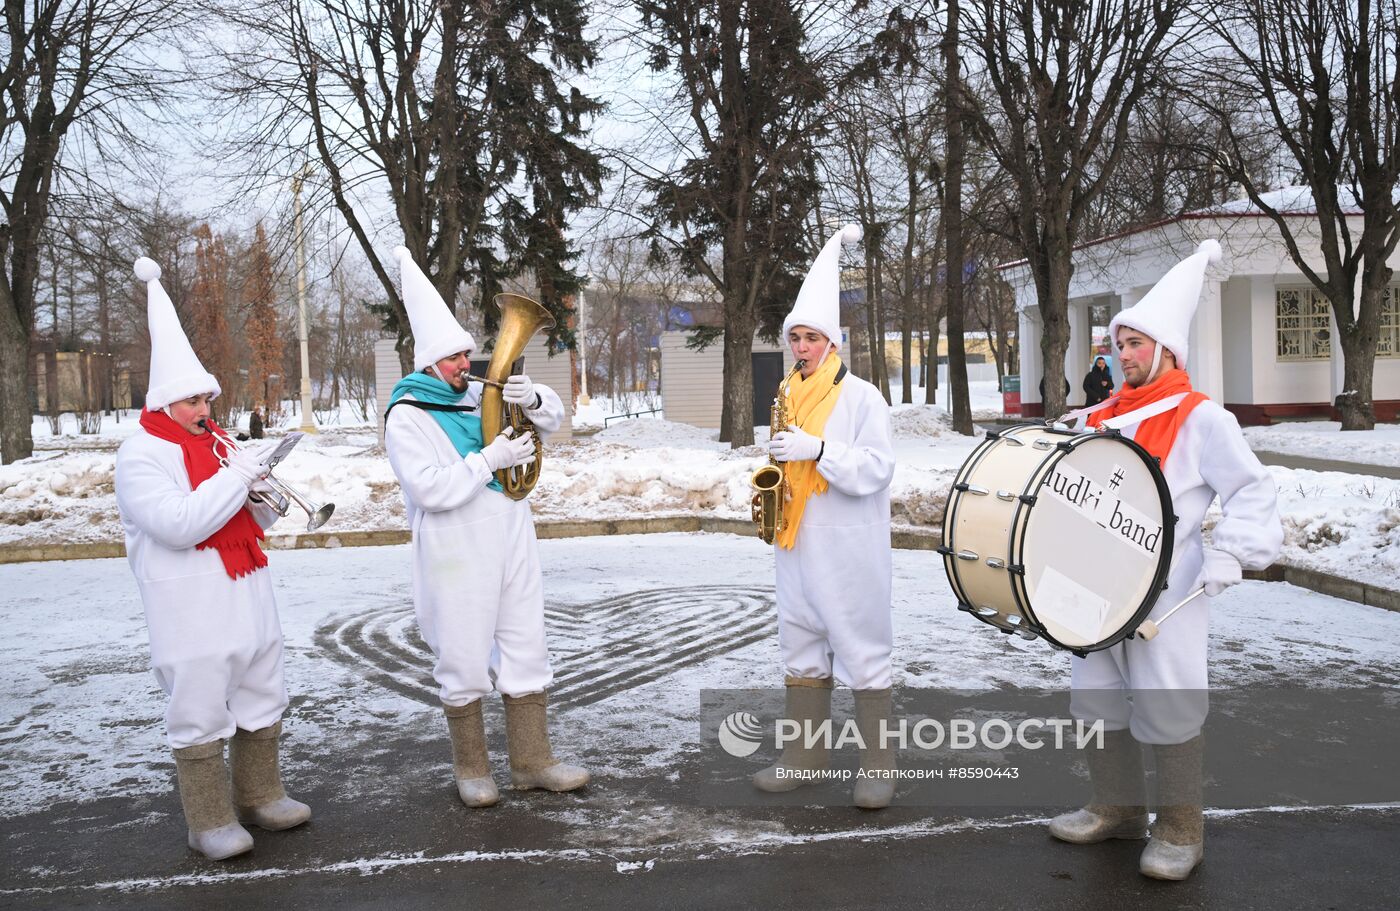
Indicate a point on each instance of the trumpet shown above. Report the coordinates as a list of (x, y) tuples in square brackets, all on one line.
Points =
[(282, 496)]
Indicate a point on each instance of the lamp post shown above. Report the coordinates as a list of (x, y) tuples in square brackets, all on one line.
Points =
[(308, 420), (583, 343)]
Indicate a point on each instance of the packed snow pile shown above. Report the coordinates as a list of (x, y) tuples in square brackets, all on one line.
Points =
[(644, 433), (913, 422)]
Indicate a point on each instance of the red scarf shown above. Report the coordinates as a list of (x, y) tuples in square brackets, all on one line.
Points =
[(237, 541), (1157, 433)]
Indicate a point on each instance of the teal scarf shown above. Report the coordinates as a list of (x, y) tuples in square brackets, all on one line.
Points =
[(461, 427)]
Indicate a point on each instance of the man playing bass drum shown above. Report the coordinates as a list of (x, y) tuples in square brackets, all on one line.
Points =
[(1203, 455), (833, 554), (477, 587)]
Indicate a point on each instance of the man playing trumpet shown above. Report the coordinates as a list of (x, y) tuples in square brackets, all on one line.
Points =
[(192, 526), (477, 585)]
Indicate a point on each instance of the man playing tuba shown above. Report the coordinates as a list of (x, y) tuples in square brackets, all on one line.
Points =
[(833, 553), (477, 586)]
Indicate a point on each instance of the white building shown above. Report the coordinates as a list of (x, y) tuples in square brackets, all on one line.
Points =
[(1263, 344)]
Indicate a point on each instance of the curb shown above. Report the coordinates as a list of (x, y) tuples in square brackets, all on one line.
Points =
[(1310, 579)]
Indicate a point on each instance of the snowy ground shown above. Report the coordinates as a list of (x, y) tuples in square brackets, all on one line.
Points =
[(1325, 440), (638, 627)]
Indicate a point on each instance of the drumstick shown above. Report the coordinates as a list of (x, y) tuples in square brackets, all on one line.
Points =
[(1149, 630)]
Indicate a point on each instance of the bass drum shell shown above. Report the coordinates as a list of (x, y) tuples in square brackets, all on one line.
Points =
[(1059, 535)]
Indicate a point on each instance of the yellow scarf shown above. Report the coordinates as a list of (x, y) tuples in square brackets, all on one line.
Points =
[(809, 404)]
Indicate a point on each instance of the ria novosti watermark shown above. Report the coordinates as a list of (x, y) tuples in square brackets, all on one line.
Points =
[(1265, 746), (741, 734)]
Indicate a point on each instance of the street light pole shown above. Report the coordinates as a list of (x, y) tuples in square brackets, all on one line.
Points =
[(308, 420), (583, 344)]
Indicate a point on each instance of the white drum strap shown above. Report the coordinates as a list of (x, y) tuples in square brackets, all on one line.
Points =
[(1147, 411), (1129, 419)]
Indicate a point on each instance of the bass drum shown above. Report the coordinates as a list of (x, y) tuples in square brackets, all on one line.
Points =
[(1059, 535)]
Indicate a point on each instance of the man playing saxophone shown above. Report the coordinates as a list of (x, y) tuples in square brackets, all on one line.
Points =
[(477, 585), (833, 552)]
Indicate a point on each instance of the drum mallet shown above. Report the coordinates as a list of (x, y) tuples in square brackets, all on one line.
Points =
[(1149, 628)]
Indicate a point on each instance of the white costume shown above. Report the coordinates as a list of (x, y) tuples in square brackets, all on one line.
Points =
[(834, 584), (216, 642), (476, 569), (1208, 458)]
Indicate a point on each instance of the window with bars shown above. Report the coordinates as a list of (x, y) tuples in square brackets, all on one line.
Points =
[(1388, 344), (1303, 325)]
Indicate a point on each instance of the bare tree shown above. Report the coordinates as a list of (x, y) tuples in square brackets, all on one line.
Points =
[(1063, 80), (69, 71), (1322, 77)]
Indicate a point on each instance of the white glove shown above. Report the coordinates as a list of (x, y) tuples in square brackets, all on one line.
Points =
[(519, 391), (250, 463), (1219, 571), (509, 451), (794, 445)]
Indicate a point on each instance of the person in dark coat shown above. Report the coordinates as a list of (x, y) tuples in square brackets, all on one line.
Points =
[(1098, 382)]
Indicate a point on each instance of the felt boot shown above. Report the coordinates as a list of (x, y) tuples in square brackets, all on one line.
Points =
[(203, 776), (808, 702), (258, 794), (1119, 805), (471, 765), (532, 762), (1178, 834)]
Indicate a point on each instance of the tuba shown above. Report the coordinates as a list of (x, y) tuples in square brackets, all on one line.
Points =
[(769, 483), (521, 318)]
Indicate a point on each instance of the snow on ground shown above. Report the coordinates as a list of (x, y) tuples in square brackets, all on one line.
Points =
[(1340, 523), (81, 716), (1325, 440)]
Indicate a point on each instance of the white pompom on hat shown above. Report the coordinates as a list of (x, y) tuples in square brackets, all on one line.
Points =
[(819, 301), (176, 372), (1165, 313), (436, 332)]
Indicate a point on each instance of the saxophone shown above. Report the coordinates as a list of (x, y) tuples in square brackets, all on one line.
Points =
[(769, 483), (521, 318)]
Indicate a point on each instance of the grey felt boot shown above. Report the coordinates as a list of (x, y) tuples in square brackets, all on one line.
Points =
[(203, 777), (1178, 834), (1119, 806), (873, 789), (258, 794), (532, 762), (471, 764), (808, 702)]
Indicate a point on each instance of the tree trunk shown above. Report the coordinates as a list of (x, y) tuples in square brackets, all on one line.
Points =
[(952, 217), (1054, 342), (16, 427), (1359, 352), (736, 424)]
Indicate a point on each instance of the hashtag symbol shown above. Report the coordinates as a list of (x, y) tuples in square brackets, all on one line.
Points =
[(1116, 480)]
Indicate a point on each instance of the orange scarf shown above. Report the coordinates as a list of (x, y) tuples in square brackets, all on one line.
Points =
[(1157, 433), (809, 403)]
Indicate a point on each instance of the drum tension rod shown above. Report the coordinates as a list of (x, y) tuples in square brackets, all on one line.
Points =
[(967, 555), (1028, 499), (996, 563), (1065, 446), (972, 489)]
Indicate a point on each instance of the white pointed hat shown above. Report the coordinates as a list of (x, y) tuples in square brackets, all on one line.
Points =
[(176, 372), (1165, 312), (819, 301), (436, 332)]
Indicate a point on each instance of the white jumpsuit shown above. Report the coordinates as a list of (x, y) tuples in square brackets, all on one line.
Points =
[(1209, 458), (216, 642), (477, 589), (834, 585)]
